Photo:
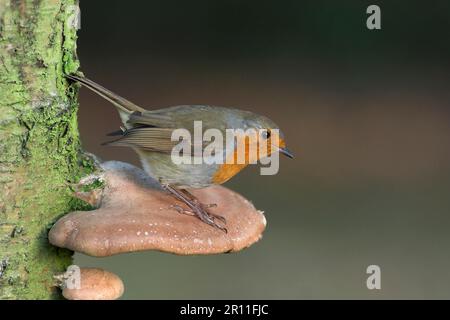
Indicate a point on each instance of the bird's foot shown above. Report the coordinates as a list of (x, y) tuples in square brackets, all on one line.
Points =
[(208, 217), (203, 215), (196, 208), (182, 210)]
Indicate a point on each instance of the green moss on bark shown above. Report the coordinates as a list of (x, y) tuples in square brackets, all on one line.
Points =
[(40, 152)]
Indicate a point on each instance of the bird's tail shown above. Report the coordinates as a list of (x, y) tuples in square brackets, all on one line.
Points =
[(122, 104)]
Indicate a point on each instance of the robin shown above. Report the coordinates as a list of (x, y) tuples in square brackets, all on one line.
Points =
[(149, 133)]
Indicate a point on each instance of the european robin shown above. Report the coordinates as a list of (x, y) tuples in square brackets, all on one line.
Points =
[(149, 133)]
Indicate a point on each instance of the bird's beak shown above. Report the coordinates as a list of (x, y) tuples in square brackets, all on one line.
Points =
[(286, 152)]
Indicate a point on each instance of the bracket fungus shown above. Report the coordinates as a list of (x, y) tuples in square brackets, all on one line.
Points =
[(90, 284), (134, 214)]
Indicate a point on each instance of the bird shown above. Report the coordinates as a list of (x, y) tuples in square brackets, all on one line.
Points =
[(149, 133)]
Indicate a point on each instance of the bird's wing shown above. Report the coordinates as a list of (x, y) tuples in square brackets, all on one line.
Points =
[(152, 130), (183, 116), (151, 119), (150, 139)]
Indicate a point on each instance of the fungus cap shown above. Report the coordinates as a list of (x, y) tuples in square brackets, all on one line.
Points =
[(134, 214)]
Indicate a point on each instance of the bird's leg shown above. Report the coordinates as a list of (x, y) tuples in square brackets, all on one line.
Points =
[(182, 210), (191, 197), (196, 207)]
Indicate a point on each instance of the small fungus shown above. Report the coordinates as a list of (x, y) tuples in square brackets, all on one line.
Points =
[(93, 284)]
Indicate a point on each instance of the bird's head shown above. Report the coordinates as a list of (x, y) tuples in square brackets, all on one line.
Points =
[(270, 138), (265, 138)]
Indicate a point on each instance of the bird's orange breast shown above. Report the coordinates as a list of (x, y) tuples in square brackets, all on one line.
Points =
[(226, 172), (230, 168)]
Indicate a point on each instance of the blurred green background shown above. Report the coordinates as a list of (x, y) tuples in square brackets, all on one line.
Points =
[(365, 112)]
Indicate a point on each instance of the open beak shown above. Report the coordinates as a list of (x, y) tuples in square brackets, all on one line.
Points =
[(286, 152)]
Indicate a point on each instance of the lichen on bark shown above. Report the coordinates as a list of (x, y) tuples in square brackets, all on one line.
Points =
[(40, 152)]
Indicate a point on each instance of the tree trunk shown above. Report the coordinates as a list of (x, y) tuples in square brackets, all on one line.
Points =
[(40, 154)]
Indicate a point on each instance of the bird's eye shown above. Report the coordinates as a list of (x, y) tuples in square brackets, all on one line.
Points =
[(265, 134)]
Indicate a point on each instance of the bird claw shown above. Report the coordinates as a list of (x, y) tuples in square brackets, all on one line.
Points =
[(196, 208), (210, 218), (182, 210), (203, 215), (220, 218)]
